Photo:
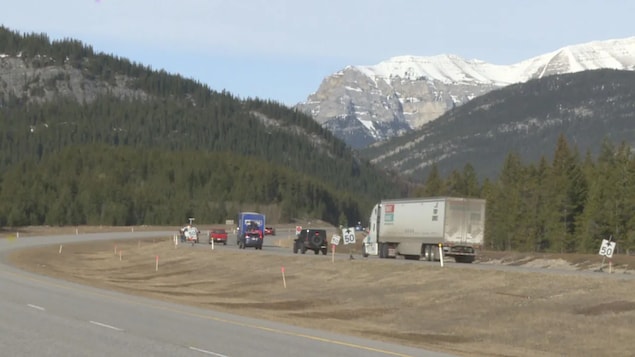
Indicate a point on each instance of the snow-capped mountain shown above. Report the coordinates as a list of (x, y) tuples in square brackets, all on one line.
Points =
[(365, 104)]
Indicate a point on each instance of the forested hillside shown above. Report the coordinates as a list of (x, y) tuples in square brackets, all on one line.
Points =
[(88, 138), (586, 107)]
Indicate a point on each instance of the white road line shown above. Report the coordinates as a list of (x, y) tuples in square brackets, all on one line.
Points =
[(106, 326), (36, 307), (207, 352)]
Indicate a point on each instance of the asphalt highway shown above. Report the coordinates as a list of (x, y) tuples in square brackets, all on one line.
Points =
[(41, 316)]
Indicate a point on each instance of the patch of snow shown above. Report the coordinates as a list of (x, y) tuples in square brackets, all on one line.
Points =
[(370, 125), (614, 54)]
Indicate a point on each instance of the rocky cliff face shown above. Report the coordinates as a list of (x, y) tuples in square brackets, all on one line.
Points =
[(40, 79), (366, 104)]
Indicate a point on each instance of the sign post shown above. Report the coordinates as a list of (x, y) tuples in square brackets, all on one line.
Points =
[(606, 251), (335, 240), (349, 238)]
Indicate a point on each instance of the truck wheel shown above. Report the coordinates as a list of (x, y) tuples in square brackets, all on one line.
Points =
[(303, 249), (317, 251), (427, 252), (384, 250), (295, 247), (241, 245), (434, 253), (324, 250)]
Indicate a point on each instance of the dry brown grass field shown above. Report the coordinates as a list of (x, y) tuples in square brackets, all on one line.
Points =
[(463, 311)]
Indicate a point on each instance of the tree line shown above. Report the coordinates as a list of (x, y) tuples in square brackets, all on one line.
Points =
[(106, 185), (564, 205)]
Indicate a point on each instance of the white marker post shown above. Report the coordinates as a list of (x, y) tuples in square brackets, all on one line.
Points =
[(335, 240), (284, 280), (17, 235), (60, 252), (333, 253), (441, 254), (119, 254), (212, 243), (76, 231), (606, 251), (156, 266)]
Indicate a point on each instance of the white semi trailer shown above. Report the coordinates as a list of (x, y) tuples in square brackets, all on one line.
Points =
[(416, 228)]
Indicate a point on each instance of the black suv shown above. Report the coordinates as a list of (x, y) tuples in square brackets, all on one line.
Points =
[(311, 239)]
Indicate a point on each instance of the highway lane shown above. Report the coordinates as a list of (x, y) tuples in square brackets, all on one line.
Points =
[(49, 317)]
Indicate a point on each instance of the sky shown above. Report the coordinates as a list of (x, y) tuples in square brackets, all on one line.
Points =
[(282, 49)]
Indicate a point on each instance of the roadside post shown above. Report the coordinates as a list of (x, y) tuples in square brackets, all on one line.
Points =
[(441, 253), (606, 251), (335, 240), (349, 238), (284, 280)]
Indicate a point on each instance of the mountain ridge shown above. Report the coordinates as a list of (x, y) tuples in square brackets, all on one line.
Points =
[(586, 107), (366, 104)]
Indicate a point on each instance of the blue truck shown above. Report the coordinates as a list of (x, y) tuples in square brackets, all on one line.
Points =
[(250, 222)]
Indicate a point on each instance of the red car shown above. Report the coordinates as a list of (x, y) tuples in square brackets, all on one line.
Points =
[(218, 235), (270, 231)]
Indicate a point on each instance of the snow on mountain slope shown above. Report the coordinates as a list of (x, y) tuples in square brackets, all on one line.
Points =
[(614, 54), (365, 104)]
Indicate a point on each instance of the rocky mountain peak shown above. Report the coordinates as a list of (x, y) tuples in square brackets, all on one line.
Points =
[(366, 104)]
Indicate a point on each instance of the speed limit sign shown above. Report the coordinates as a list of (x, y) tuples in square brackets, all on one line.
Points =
[(349, 235), (607, 248)]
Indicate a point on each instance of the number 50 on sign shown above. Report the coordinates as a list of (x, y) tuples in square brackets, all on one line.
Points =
[(349, 235), (607, 248)]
